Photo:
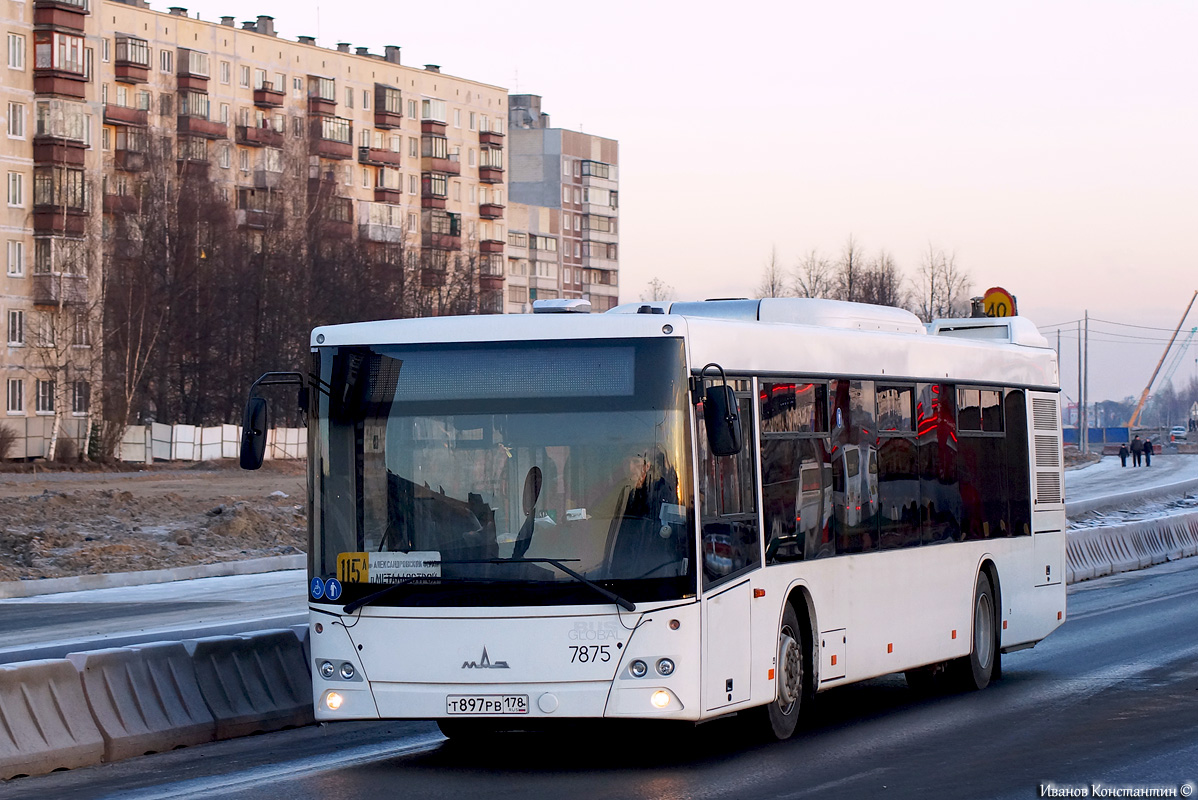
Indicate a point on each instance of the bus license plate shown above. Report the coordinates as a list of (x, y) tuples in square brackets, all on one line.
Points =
[(486, 704)]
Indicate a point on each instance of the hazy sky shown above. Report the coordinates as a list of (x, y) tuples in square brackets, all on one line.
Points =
[(1053, 146)]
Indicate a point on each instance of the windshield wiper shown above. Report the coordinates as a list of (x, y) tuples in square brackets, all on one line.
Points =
[(627, 605)]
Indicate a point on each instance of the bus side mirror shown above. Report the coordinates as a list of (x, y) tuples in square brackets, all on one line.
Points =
[(722, 419), (253, 433)]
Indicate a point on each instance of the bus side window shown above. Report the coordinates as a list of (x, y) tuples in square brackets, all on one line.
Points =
[(727, 501)]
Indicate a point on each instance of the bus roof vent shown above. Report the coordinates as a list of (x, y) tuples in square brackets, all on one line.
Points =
[(561, 306), (1015, 330)]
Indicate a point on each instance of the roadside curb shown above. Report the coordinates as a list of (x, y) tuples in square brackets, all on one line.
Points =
[(78, 583)]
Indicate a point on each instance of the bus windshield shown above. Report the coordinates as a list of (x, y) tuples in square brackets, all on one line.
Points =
[(451, 469)]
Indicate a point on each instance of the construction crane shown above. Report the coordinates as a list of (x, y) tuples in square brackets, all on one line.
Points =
[(1178, 355), (1135, 415)]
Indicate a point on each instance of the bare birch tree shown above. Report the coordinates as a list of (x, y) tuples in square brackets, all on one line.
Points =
[(773, 279), (814, 276), (943, 286)]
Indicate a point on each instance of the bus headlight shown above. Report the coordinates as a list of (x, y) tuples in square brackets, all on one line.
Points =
[(660, 699), (327, 669), (665, 667), (333, 700), (638, 668), (347, 671)]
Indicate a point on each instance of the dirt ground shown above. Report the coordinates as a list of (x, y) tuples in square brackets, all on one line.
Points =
[(57, 523)]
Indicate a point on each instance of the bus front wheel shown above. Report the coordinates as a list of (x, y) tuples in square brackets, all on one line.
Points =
[(780, 718)]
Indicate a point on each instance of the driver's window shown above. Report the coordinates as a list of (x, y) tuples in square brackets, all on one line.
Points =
[(728, 500)]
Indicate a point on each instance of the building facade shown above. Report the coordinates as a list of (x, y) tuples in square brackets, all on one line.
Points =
[(102, 98), (563, 239)]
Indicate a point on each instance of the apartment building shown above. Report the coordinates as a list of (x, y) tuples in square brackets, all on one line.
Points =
[(96, 91), (563, 238)]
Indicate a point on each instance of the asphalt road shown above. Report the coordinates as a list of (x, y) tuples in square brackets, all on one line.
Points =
[(1111, 697)]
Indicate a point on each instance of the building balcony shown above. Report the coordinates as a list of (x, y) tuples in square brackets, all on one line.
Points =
[(490, 138), (129, 160), (610, 184), (60, 14), (60, 82), (266, 96), (488, 282), (450, 166), (387, 119), (195, 83), (321, 105), (124, 115), (256, 218), (599, 210), (432, 278), (607, 237), (55, 219), (193, 167), (375, 232), (597, 262), (432, 201), (432, 126), (58, 288), (379, 158), (267, 179), (131, 72), (53, 150), (490, 211), (490, 175), (339, 148), (121, 204), (327, 148), (383, 194), (198, 126), (440, 241), (254, 136), (490, 246), (336, 229)]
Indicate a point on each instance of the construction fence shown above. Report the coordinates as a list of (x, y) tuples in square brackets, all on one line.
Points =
[(143, 444)]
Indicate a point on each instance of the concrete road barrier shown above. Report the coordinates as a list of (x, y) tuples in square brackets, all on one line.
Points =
[(47, 724), (1094, 552), (258, 682), (144, 699)]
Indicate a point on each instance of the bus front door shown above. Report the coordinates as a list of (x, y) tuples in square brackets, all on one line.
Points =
[(726, 645)]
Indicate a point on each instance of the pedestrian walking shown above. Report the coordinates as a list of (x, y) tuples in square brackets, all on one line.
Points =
[(1137, 451), (1123, 455), (1148, 453)]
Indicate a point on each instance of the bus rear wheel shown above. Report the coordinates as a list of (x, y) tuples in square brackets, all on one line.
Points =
[(976, 670), (780, 718)]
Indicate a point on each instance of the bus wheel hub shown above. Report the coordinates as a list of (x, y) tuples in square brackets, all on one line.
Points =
[(790, 671)]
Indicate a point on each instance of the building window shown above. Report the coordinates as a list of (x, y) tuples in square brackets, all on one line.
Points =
[(16, 51), (16, 258), (349, 97), (226, 158), (413, 222), (16, 327), (472, 162), (499, 124), (59, 51), (243, 159), (224, 112), (16, 189), (16, 396), (484, 123), (413, 147), (81, 396), (132, 50), (565, 194), (166, 59), (457, 118), (565, 168), (566, 275), (365, 100), (44, 402), (193, 104), (16, 120), (243, 77), (517, 294), (473, 123), (413, 185), (279, 84), (226, 72)]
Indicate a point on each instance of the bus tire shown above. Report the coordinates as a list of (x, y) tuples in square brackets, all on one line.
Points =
[(976, 669), (779, 719)]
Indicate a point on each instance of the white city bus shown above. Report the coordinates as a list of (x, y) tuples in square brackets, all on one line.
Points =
[(649, 514)]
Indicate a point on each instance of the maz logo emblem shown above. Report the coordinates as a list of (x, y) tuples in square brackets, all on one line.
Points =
[(485, 663)]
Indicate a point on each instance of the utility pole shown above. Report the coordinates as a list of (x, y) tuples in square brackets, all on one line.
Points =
[(1080, 399), (1086, 390)]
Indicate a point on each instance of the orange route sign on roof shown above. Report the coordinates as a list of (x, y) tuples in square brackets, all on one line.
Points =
[(998, 302)]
